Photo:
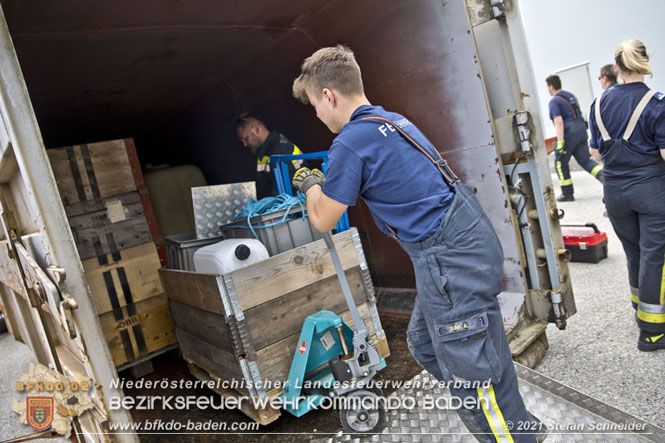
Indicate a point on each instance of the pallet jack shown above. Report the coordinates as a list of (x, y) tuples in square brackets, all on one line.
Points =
[(332, 360)]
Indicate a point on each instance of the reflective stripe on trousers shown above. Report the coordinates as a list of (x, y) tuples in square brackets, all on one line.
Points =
[(634, 192), (575, 138), (456, 330)]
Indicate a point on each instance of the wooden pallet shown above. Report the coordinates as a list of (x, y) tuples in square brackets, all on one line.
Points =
[(245, 325), (142, 366), (263, 416)]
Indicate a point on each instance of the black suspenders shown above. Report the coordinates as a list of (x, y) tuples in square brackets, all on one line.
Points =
[(576, 115), (441, 164)]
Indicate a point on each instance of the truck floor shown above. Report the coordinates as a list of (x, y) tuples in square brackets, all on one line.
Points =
[(570, 416)]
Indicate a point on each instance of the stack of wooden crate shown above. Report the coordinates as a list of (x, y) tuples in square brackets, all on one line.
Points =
[(243, 327), (116, 234)]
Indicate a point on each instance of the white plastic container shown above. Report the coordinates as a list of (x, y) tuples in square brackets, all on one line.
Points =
[(228, 255)]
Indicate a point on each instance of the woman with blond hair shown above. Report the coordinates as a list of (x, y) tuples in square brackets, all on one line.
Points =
[(628, 133)]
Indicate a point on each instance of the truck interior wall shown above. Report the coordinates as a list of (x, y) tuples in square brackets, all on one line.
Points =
[(419, 71), (175, 77), (415, 86)]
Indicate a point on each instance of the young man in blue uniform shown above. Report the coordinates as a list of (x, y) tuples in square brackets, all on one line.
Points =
[(571, 137), (255, 136), (628, 132), (456, 330)]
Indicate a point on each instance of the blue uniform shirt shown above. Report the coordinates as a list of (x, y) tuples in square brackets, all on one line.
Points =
[(401, 187), (609, 88), (558, 107), (617, 106)]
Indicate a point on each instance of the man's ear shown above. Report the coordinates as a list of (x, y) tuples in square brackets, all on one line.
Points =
[(329, 95)]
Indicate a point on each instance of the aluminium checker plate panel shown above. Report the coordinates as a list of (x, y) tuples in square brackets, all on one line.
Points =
[(571, 415), (217, 205)]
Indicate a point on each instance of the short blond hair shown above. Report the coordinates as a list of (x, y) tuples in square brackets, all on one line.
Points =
[(631, 57), (334, 67)]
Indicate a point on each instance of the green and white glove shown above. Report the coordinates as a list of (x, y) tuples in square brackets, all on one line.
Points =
[(559, 146), (304, 178)]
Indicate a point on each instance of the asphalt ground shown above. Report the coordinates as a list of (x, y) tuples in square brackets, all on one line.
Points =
[(14, 363), (597, 352)]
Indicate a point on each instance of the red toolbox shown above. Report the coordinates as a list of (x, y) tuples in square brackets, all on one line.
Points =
[(585, 242)]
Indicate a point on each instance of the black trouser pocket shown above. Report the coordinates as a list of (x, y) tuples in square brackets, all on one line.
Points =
[(468, 350)]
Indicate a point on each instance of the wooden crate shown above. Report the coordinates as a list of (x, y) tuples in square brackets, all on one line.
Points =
[(91, 171), (245, 325), (106, 225), (124, 277), (138, 329), (128, 295), (89, 175), (118, 240)]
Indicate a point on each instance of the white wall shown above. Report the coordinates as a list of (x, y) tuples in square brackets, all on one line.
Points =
[(568, 32)]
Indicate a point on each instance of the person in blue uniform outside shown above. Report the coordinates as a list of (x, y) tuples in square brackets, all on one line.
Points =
[(607, 77), (571, 137), (456, 330), (262, 142), (628, 134)]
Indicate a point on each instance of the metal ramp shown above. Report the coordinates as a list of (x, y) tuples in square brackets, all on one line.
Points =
[(570, 415)]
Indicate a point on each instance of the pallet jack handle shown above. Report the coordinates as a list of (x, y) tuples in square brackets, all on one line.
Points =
[(360, 326)]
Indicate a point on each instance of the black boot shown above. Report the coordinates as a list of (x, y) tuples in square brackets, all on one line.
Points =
[(650, 341), (565, 198)]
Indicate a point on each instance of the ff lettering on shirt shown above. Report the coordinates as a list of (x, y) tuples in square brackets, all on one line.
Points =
[(386, 127)]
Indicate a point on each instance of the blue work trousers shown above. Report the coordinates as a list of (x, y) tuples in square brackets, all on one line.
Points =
[(634, 192), (575, 145), (456, 330)]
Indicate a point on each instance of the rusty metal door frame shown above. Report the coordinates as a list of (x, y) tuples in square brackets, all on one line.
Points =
[(512, 98)]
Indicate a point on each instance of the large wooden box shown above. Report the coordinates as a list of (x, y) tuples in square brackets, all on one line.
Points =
[(130, 301), (124, 277), (113, 225), (91, 171), (245, 325), (136, 330), (107, 203), (106, 225)]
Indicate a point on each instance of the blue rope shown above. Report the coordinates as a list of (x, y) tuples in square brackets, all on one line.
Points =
[(270, 204)]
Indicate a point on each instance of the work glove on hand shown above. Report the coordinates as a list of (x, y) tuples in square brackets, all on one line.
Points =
[(304, 178), (559, 147)]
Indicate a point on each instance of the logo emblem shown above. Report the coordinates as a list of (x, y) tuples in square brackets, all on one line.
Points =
[(302, 348), (40, 412)]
